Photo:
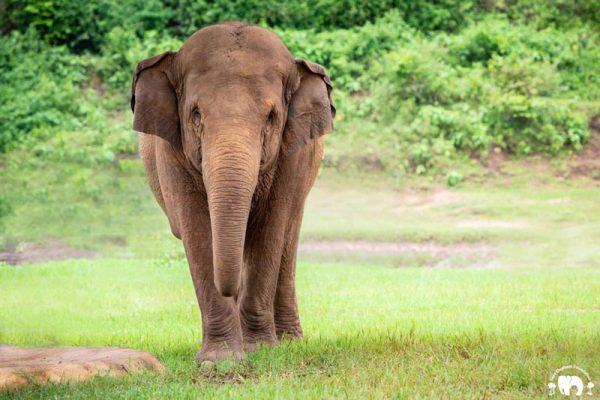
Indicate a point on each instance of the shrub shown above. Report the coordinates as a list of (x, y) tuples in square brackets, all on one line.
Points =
[(453, 178), (415, 74), (83, 25), (523, 125), (559, 13), (449, 96), (573, 53), (123, 50), (524, 76), (479, 42), (348, 54), (410, 98), (460, 125), (38, 85)]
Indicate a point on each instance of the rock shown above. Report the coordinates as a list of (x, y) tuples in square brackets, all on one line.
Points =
[(37, 366)]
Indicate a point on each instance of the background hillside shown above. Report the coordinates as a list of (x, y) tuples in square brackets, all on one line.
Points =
[(441, 89)]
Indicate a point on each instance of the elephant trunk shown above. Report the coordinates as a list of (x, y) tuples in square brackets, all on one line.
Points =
[(230, 165)]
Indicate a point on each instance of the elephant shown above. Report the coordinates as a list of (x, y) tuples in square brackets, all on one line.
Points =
[(231, 137), (566, 382)]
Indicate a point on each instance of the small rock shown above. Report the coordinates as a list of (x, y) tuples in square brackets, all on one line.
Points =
[(37, 366)]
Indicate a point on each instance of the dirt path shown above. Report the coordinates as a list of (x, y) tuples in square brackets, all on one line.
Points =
[(28, 253), (432, 254), (401, 254), (398, 248)]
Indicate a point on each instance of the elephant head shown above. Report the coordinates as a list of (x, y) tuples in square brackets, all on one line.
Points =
[(566, 382), (232, 100)]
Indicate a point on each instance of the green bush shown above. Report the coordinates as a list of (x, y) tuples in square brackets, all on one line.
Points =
[(490, 86), (189, 15), (417, 83), (123, 50), (524, 76), (38, 85), (453, 178), (523, 125), (573, 53), (414, 73), (83, 25), (544, 13), (460, 125), (348, 54)]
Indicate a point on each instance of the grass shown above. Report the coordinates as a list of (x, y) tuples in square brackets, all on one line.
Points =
[(530, 216), (370, 331)]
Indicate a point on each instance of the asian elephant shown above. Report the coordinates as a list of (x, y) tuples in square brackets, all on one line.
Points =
[(231, 132)]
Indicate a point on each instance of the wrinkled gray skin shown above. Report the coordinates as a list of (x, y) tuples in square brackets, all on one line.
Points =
[(230, 136)]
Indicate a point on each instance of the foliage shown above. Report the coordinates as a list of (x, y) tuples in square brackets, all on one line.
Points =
[(83, 25), (492, 85), (37, 86), (523, 125), (453, 178), (123, 50), (566, 13), (349, 53), (573, 53), (422, 82)]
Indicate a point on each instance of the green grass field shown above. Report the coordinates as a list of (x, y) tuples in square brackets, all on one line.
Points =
[(370, 331), (489, 325)]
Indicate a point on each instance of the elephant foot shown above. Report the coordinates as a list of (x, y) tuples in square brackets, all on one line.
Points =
[(293, 332), (253, 344), (258, 328), (210, 354)]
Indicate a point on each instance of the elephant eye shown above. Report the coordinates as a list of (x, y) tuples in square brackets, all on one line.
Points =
[(197, 117)]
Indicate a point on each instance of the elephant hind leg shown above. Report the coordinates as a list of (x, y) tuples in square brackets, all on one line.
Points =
[(287, 319)]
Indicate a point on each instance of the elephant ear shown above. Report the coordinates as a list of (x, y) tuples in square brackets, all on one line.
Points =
[(153, 99), (311, 110)]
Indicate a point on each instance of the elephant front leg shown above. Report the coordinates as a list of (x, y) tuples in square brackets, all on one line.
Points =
[(257, 296), (221, 330)]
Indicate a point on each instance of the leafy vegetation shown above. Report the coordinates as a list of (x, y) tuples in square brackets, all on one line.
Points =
[(421, 87)]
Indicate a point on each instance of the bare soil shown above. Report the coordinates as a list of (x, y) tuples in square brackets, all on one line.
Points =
[(419, 200), (587, 163), (38, 366), (399, 248), (28, 253)]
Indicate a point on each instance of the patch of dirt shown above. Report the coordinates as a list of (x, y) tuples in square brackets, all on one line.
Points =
[(372, 162), (432, 249), (38, 366), (496, 160), (27, 253), (431, 199), (492, 223), (587, 163)]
